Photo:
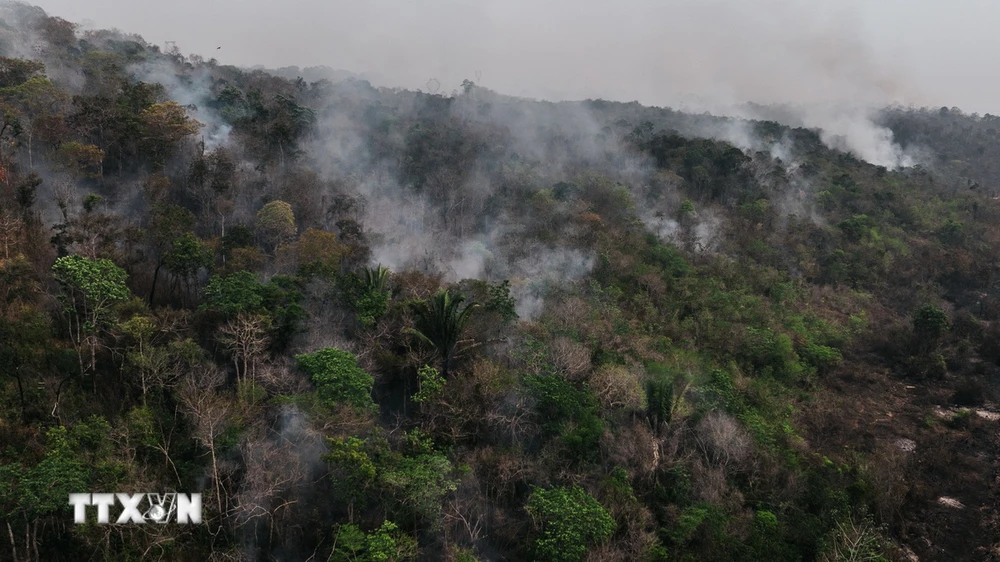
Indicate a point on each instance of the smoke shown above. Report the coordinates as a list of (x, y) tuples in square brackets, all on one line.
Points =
[(695, 55), (281, 465), (191, 89)]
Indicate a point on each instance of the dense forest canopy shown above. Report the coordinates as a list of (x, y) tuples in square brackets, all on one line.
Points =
[(378, 324)]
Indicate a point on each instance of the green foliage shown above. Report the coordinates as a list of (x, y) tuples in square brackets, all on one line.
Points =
[(440, 322), (686, 212), (568, 412), (282, 299), (930, 322), (431, 383), (367, 294), (670, 261), (769, 354), (501, 301), (417, 484), (569, 521), (357, 471), (739, 327), (822, 357), (76, 460), (235, 293), (238, 236), (337, 377), (188, 254), (384, 544), (659, 397), (100, 282), (14, 72)]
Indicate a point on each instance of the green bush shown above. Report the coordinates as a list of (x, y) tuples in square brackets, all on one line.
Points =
[(568, 412), (338, 378), (569, 520)]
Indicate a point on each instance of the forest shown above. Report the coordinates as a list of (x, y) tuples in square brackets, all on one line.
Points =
[(375, 324)]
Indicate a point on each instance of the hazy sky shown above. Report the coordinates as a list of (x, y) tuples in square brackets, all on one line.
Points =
[(682, 52)]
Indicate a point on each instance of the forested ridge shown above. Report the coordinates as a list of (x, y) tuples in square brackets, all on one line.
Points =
[(373, 324)]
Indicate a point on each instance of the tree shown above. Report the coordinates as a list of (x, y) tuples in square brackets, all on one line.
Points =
[(157, 364), (275, 223), (23, 338), (385, 544), (187, 256), (166, 224), (235, 293), (83, 160), (929, 324), (14, 72), (246, 339), (28, 494), (210, 413), (318, 252), (162, 126), (367, 294), (337, 377), (430, 382), (34, 100), (501, 301), (440, 322), (568, 520), (89, 288)]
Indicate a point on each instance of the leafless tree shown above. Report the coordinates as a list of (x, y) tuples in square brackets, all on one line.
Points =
[(245, 338), (210, 413)]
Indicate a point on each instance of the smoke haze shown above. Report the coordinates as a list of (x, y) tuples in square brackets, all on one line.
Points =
[(697, 54)]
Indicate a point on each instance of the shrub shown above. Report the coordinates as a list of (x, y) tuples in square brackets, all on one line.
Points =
[(569, 520), (337, 377)]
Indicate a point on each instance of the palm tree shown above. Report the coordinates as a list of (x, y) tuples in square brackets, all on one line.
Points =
[(375, 278), (439, 322)]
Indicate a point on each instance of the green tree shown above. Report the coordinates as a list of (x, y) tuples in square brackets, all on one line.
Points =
[(568, 521), (384, 544), (337, 377), (24, 334), (501, 301), (166, 223), (318, 252), (187, 256), (417, 482), (440, 322), (89, 289), (14, 72), (76, 459), (431, 384), (367, 294), (355, 469), (929, 324), (235, 293)]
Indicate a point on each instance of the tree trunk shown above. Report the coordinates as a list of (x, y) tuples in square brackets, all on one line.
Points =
[(13, 543), (20, 392), (218, 488)]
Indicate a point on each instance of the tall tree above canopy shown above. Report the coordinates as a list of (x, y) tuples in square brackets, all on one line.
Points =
[(275, 223)]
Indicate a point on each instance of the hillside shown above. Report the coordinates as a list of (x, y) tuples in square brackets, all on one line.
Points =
[(378, 324)]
